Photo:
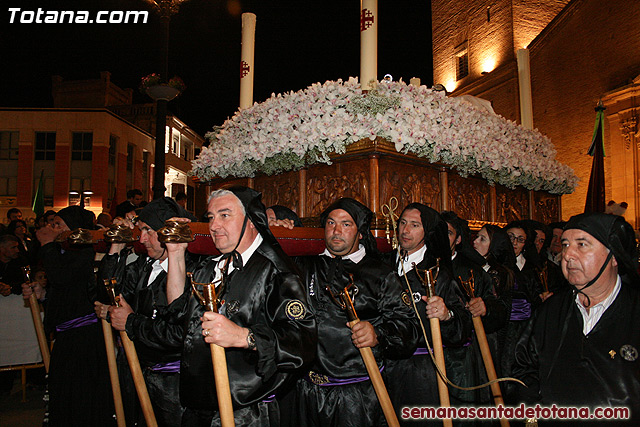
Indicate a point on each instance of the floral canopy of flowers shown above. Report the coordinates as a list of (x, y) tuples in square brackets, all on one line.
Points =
[(296, 129)]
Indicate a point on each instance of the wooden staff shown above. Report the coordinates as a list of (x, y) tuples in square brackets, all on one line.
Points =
[(209, 299), (469, 286), (113, 373), (134, 365), (367, 356), (37, 322), (429, 281)]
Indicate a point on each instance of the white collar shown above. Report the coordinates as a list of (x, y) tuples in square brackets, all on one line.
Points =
[(156, 267), (591, 318), (163, 264), (356, 256), (246, 255), (407, 264), (520, 261)]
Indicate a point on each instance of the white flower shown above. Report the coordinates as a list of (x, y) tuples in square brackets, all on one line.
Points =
[(325, 118)]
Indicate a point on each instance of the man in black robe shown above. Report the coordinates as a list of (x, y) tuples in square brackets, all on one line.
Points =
[(554, 251), (337, 390), (581, 348), (264, 321), (464, 363), (422, 235), (549, 273), (79, 386), (146, 315)]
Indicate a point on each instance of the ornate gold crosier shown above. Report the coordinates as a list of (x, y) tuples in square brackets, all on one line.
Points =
[(469, 285), (110, 285), (344, 299), (209, 295), (389, 212), (428, 277)]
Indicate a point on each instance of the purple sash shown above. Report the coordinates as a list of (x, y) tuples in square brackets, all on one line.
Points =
[(326, 381), (421, 351), (520, 309), (167, 367), (77, 322)]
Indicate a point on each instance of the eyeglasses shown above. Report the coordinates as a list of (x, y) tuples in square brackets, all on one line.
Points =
[(515, 238)]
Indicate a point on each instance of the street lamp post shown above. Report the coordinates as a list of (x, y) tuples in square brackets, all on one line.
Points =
[(165, 8)]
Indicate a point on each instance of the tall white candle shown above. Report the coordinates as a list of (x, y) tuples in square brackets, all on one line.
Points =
[(368, 43), (524, 84), (246, 59)]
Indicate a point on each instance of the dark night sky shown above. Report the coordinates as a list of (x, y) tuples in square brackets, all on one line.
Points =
[(298, 42)]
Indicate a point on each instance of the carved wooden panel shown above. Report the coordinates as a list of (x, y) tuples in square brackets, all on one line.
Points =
[(410, 183), (229, 182), (407, 178), (280, 189), (546, 207), (328, 183), (469, 197), (511, 205)]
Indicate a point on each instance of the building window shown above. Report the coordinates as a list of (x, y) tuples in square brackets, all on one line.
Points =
[(185, 150), (82, 146), (462, 61), (113, 144), (8, 186), (9, 145), (45, 146), (175, 147), (111, 191), (80, 187), (145, 172), (129, 158)]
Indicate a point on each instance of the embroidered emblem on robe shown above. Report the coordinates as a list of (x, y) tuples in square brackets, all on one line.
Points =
[(295, 309)]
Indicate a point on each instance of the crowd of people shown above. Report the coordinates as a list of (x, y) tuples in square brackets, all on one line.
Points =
[(557, 302)]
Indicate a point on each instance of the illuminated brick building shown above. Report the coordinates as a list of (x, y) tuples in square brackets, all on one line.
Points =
[(93, 139), (580, 52)]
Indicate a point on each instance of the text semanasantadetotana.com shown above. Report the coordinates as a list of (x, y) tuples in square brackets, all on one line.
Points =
[(517, 412)]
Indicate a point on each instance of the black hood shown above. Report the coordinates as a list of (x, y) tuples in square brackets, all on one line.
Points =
[(361, 215)]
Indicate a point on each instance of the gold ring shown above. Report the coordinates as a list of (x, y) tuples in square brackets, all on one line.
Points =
[(206, 332)]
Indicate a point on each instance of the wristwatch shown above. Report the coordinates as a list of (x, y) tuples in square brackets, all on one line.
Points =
[(450, 316), (251, 340)]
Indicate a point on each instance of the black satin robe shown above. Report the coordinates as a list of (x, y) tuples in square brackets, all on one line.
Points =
[(261, 297), (154, 326), (464, 364), (413, 381), (561, 365), (527, 287), (378, 301), (502, 279), (79, 385), (156, 329)]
